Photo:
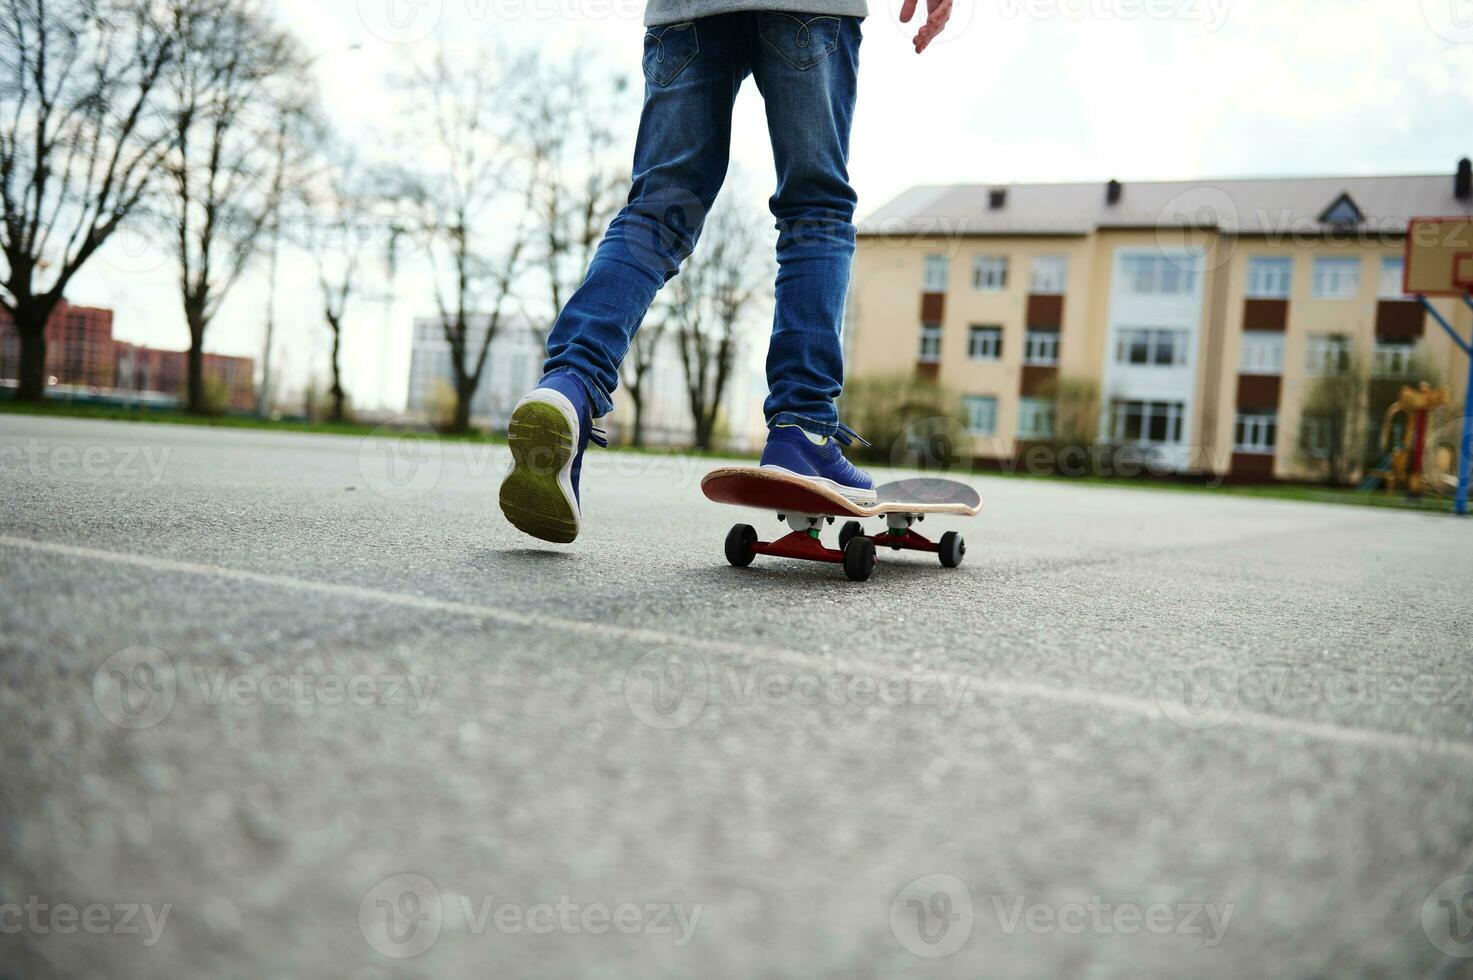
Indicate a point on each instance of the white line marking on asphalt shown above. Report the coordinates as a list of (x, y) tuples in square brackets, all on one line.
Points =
[(999, 687)]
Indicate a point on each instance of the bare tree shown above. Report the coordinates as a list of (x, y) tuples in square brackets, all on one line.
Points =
[(712, 294), (344, 204), (81, 141), (1334, 418), (569, 122), (238, 86), (469, 203)]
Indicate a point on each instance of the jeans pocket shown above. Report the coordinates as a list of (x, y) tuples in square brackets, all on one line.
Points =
[(668, 49), (801, 40)]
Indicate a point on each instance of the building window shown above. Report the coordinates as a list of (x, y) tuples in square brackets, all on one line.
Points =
[(1336, 278), (1048, 275), (1391, 277), (1257, 432), (1145, 347), (1327, 353), (1393, 359), (937, 267), (1263, 352), (981, 414), (1158, 275), (930, 343), (1041, 348), (1317, 436), (990, 274), (984, 343), (1148, 423), (1270, 278), (1035, 418)]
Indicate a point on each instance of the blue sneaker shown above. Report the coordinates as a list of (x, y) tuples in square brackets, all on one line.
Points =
[(793, 451), (548, 432)]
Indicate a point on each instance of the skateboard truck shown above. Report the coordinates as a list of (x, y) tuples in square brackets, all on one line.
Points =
[(856, 551), (898, 535)]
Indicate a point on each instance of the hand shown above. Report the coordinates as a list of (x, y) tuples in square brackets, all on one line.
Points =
[(940, 13)]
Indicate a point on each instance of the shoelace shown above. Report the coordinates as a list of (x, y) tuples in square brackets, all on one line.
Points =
[(598, 437), (848, 437)]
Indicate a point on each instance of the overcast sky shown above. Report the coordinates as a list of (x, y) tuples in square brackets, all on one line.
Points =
[(1017, 90)]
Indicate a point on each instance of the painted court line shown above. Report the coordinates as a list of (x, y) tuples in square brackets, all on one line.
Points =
[(975, 684)]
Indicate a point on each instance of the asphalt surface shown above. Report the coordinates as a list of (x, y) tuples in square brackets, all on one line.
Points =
[(291, 705)]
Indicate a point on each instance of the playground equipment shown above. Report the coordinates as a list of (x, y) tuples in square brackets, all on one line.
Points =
[(1439, 262), (1409, 467)]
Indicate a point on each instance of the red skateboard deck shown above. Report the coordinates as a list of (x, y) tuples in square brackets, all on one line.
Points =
[(807, 506)]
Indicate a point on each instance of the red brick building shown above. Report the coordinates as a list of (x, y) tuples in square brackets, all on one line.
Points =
[(79, 346), (81, 351), (140, 368)]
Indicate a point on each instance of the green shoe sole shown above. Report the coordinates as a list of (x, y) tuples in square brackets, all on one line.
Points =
[(532, 496)]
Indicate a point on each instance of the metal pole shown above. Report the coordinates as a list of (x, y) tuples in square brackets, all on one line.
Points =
[(1465, 446), (1465, 454), (1465, 450), (263, 397)]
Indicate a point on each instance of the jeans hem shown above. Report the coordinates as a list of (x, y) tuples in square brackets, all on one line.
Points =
[(600, 401), (807, 424)]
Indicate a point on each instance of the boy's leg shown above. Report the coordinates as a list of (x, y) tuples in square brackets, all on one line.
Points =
[(692, 74), (807, 69)]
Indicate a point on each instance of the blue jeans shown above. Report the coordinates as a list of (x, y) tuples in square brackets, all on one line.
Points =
[(805, 67)]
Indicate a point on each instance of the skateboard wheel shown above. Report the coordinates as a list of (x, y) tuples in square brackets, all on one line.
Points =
[(739, 541), (859, 559), (851, 530), (952, 549)]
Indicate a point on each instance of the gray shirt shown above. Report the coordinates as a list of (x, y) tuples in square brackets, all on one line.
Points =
[(675, 11)]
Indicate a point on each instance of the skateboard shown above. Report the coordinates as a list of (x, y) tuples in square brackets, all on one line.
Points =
[(805, 507)]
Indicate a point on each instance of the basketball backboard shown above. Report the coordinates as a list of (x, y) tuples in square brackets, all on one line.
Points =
[(1439, 257)]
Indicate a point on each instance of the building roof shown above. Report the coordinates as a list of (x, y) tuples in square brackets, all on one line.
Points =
[(1288, 206)]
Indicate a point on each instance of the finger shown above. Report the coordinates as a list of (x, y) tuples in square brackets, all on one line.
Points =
[(907, 11), (919, 39), (935, 23)]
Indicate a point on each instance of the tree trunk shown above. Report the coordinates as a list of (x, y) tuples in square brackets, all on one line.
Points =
[(704, 427), (30, 327), (339, 397), (637, 434), (194, 392), (196, 388), (463, 394)]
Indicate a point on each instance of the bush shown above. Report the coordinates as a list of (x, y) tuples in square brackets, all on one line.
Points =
[(1076, 414), (885, 409)]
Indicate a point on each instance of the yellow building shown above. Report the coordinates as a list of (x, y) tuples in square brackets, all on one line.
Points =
[(1203, 312)]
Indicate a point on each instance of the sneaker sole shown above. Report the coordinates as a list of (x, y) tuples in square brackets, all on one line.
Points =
[(532, 496), (852, 494)]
